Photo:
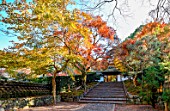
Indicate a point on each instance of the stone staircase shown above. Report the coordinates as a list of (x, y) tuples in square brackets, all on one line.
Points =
[(106, 92)]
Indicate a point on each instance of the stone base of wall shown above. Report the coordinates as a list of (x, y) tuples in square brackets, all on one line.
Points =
[(17, 103)]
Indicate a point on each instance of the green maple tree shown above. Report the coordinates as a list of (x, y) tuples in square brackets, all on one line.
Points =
[(44, 29)]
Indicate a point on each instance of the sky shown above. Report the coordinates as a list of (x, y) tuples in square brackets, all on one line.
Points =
[(4, 40), (139, 15), (136, 14), (124, 25)]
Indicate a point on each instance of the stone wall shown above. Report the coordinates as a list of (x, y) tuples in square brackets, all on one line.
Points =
[(17, 103)]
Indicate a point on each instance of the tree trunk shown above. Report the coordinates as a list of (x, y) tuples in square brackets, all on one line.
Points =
[(154, 97), (84, 76), (166, 106), (135, 80), (54, 89), (153, 102)]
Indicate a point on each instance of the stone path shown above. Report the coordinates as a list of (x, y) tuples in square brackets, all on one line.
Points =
[(92, 107), (120, 107)]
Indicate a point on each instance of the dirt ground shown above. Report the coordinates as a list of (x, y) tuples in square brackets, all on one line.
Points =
[(61, 106)]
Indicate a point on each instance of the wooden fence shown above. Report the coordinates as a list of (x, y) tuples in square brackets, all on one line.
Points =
[(11, 89)]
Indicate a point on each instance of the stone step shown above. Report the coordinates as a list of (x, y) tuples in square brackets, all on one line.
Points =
[(111, 92), (108, 94), (105, 92), (105, 96), (116, 85), (105, 99), (116, 91), (108, 102), (110, 86), (111, 83)]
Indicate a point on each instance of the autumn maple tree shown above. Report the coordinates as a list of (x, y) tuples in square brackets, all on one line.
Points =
[(93, 50), (91, 44), (144, 55), (139, 48)]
